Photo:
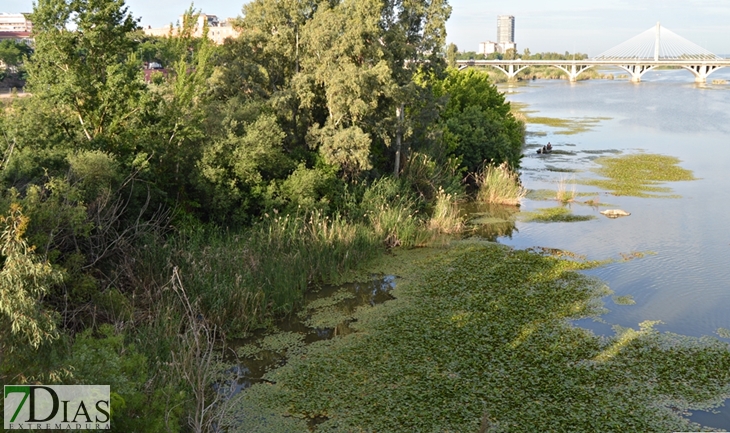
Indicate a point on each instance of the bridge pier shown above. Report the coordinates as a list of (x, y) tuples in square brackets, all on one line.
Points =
[(701, 72), (637, 70)]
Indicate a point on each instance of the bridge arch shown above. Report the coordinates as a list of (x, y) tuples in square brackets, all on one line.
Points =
[(637, 71), (574, 71), (701, 72)]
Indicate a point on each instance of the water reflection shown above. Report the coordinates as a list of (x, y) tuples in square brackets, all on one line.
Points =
[(491, 221), (327, 305)]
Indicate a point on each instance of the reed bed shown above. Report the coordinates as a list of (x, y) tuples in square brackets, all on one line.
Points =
[(499, 185)]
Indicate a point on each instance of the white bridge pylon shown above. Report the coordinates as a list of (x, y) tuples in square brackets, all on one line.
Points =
[(657, 46)]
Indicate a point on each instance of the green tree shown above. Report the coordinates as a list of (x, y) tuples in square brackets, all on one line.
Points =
[(452, 52), (84, 64), (12, 52), (526, 54), (477, 123)]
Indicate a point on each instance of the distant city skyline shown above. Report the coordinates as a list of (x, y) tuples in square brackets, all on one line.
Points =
[(589, 27), (558, 25)]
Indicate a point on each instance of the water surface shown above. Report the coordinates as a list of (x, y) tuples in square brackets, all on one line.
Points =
[(686, 284)]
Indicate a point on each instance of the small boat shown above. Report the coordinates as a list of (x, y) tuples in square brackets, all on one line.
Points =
[(544, 150)]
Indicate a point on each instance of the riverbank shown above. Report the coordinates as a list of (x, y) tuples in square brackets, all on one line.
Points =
[(478, 339)]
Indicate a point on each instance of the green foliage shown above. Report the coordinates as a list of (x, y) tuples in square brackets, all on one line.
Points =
[(391, 209), (478, 125), (446, 217), (242, 280), (427, 176), (89, 73), (308, 189), (499, 185), (105, 358), (24, 280), (479, 337), (12, 52)]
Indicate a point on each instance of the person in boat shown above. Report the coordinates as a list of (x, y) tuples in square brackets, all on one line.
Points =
[(543, 150), (549, 147)]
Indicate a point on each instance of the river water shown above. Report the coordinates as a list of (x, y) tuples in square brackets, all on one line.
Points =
[(686, 283)]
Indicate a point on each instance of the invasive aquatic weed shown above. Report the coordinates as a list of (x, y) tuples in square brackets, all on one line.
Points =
[(567, 126), (559, 169), (280, 343), (553, 214), (639, 174), (480, 335), (623, 300), (540, 194)]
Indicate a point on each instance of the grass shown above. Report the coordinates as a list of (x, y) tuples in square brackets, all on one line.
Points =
[(499, 185), (445, 217), (554, 215), (565, 195), (639, 174), (478, 339), (243, 280)]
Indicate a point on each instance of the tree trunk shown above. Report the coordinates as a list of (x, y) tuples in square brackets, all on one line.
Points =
[(398, 139)]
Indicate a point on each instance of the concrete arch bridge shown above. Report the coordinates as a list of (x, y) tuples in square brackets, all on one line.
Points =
[(653, 48)]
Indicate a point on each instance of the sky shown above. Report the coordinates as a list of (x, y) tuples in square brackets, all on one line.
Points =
[(585, 26)]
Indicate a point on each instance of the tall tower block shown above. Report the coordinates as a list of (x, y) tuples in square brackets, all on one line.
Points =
[(505, 29)]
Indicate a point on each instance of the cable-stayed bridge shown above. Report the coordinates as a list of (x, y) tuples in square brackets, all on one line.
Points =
[(653, 48)]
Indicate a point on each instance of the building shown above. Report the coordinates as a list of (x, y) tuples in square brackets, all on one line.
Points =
[(17, 27), (218, 31), (505, 29), (15, 23), (487, 48), (505, 37)]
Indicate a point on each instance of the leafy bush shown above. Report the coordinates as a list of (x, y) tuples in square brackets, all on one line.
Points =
[(478, 125)]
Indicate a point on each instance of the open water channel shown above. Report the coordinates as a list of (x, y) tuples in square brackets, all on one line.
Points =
[(686, 282)]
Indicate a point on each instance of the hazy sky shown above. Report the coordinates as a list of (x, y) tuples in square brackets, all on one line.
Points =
[(586, 26)]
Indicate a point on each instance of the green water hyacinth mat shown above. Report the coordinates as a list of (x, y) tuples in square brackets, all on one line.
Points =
[(479, 339)]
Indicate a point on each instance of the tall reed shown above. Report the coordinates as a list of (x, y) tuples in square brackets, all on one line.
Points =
[(563, 194), (499, 185), (242, 280), (446, 217)]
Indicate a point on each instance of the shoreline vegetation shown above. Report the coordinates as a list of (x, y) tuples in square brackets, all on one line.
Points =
[(148, 223)]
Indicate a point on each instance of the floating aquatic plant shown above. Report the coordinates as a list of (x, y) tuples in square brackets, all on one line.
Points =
[(623, 300), (479, 338), (639, 174), (554, 214)]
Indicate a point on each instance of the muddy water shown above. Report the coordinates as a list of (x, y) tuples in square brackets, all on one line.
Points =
[(686, 284)]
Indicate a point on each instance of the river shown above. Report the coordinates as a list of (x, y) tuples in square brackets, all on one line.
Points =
[(686, 282)]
